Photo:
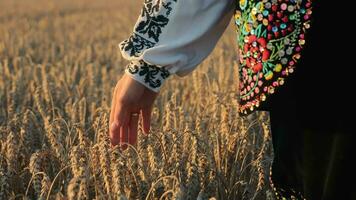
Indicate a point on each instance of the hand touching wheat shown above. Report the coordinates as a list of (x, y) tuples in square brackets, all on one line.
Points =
[(129, 97)]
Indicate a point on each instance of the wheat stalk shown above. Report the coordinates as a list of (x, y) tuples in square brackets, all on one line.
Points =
[(57, 71)]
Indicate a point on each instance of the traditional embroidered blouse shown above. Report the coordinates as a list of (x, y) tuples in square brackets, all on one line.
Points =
[(175, 36)]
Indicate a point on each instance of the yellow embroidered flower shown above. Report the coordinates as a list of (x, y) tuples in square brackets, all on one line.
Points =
[(247, 27), (269, 75), (265, 22), (243, 4), (238, 17), (263, 97), (278, 68), (260, 7), (252, 18), (281, 81), (254, 11), (301, 42)]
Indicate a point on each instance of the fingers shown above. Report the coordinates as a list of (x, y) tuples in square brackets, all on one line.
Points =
[(122, 118), (147, 109), (146, 118), (123, 136), (119, 120), (114, 133), (129, 97), (124, 126), (133, 129), (113, 106), (121, 114), (114, 126)]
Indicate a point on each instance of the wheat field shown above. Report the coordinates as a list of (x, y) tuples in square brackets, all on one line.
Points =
[(59, 62)]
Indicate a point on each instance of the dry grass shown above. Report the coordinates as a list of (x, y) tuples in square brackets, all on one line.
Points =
[(59, 62)]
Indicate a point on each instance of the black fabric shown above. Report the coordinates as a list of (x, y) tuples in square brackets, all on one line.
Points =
[(312, 115), (318, 164), (287, 170), (324, 79)]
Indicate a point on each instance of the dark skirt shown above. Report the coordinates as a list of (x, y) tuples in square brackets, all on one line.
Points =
[(312, 115), (315, 164), (313, 159)]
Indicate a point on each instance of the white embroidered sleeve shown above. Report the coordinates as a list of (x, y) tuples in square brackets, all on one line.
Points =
[(173, 37)]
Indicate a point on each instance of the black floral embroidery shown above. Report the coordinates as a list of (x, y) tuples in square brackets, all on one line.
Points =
[(168, 7), (153, 26), (154, 17), (135, 44), (152, 75)]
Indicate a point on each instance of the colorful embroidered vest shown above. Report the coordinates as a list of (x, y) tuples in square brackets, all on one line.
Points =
[(271, 35)]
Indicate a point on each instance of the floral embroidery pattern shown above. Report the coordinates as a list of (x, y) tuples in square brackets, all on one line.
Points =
[(136, 44), (271, 37), (256, 53), (153, 18), (151, 74)]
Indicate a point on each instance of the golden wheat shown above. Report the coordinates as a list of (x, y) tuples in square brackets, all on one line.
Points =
[(59, 62)]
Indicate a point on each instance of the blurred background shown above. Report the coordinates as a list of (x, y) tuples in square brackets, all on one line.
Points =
[(59, 62)]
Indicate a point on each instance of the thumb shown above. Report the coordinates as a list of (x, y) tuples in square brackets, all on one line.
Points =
[(146, 118)]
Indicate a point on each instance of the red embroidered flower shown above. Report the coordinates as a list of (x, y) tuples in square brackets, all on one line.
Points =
[(256, 52)]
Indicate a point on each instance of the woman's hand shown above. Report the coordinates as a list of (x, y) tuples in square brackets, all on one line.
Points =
[(129, 97)]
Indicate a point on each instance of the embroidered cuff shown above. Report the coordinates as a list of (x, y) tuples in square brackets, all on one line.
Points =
[(150, 76)]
